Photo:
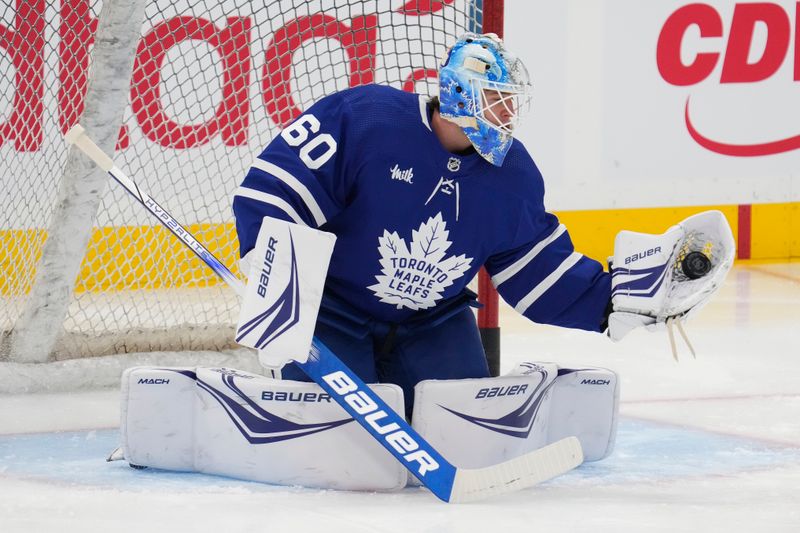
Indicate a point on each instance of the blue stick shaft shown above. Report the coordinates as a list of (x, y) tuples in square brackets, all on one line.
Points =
[(380, 420)]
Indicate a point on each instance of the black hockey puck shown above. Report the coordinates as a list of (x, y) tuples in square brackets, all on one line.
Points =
[(695, 265)]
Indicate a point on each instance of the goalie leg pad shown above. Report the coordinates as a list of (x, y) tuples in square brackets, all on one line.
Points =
[(246, 426), (156, 417), (585, 403), (501, 418), (504, 417)]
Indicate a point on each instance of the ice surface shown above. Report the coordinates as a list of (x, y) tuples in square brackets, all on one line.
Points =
[(711, 444)]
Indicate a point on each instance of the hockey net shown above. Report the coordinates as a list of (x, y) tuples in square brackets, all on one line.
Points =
[(213, 81)]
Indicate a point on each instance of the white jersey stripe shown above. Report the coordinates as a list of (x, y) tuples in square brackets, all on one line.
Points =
[(520, 263), (547, 282), (296, 185), (423, 110), (270, 199)]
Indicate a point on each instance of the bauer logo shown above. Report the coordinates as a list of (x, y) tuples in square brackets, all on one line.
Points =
[(381, 422), (493, 392), (642, 255), (266, 267), (284, 396)]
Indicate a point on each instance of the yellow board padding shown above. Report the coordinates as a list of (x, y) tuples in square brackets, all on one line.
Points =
[(593, 231), (123, 258), (20, 251), (775, 230), (151, 257), (130, 257)]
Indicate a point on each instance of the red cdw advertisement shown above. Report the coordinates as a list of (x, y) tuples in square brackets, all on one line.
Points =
[(758, 40), (701, 101)]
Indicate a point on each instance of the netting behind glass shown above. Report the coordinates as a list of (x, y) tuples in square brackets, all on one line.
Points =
[(213, 82)]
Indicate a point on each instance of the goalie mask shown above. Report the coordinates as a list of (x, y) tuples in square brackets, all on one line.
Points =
[(484, 89)]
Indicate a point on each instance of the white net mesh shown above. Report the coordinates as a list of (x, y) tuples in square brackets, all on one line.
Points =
[(213, 82)]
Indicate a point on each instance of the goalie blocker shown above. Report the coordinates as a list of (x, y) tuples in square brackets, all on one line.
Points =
[(237, 424)]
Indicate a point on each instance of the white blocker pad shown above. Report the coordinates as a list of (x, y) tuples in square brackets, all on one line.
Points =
[(245, 426), (287, 274), (481, 422)]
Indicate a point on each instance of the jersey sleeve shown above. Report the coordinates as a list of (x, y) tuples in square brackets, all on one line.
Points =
[(544, 278), (301, 176)]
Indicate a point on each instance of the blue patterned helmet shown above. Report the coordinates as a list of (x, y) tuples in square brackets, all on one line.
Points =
[(484, 89)]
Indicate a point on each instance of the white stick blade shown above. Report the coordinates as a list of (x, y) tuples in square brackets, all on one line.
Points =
[(519, 473)]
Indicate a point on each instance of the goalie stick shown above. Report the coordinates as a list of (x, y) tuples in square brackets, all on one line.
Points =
[(446, 481)]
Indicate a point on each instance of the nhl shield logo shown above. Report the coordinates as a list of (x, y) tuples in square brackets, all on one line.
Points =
[(453, 164)]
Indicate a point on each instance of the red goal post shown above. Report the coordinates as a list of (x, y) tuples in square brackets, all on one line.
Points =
[(489, 314), (209, 83)]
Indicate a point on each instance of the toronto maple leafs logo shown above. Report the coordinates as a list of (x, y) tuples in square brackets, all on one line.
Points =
[(416, 277)]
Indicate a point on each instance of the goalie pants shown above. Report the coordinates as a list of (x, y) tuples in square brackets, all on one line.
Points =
[(443, 343)]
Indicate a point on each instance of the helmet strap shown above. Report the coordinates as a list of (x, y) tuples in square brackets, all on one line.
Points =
[(464, 122), (476, 65)]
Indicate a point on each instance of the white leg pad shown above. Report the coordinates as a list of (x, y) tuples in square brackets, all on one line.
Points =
[(480, 422), (241, 425), (585, 403), (156, 417)]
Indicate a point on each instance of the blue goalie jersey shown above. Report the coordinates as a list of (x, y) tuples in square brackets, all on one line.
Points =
[(414, 222)]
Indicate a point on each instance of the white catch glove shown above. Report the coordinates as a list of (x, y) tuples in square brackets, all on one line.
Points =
[(664, 279), (287, 270)]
